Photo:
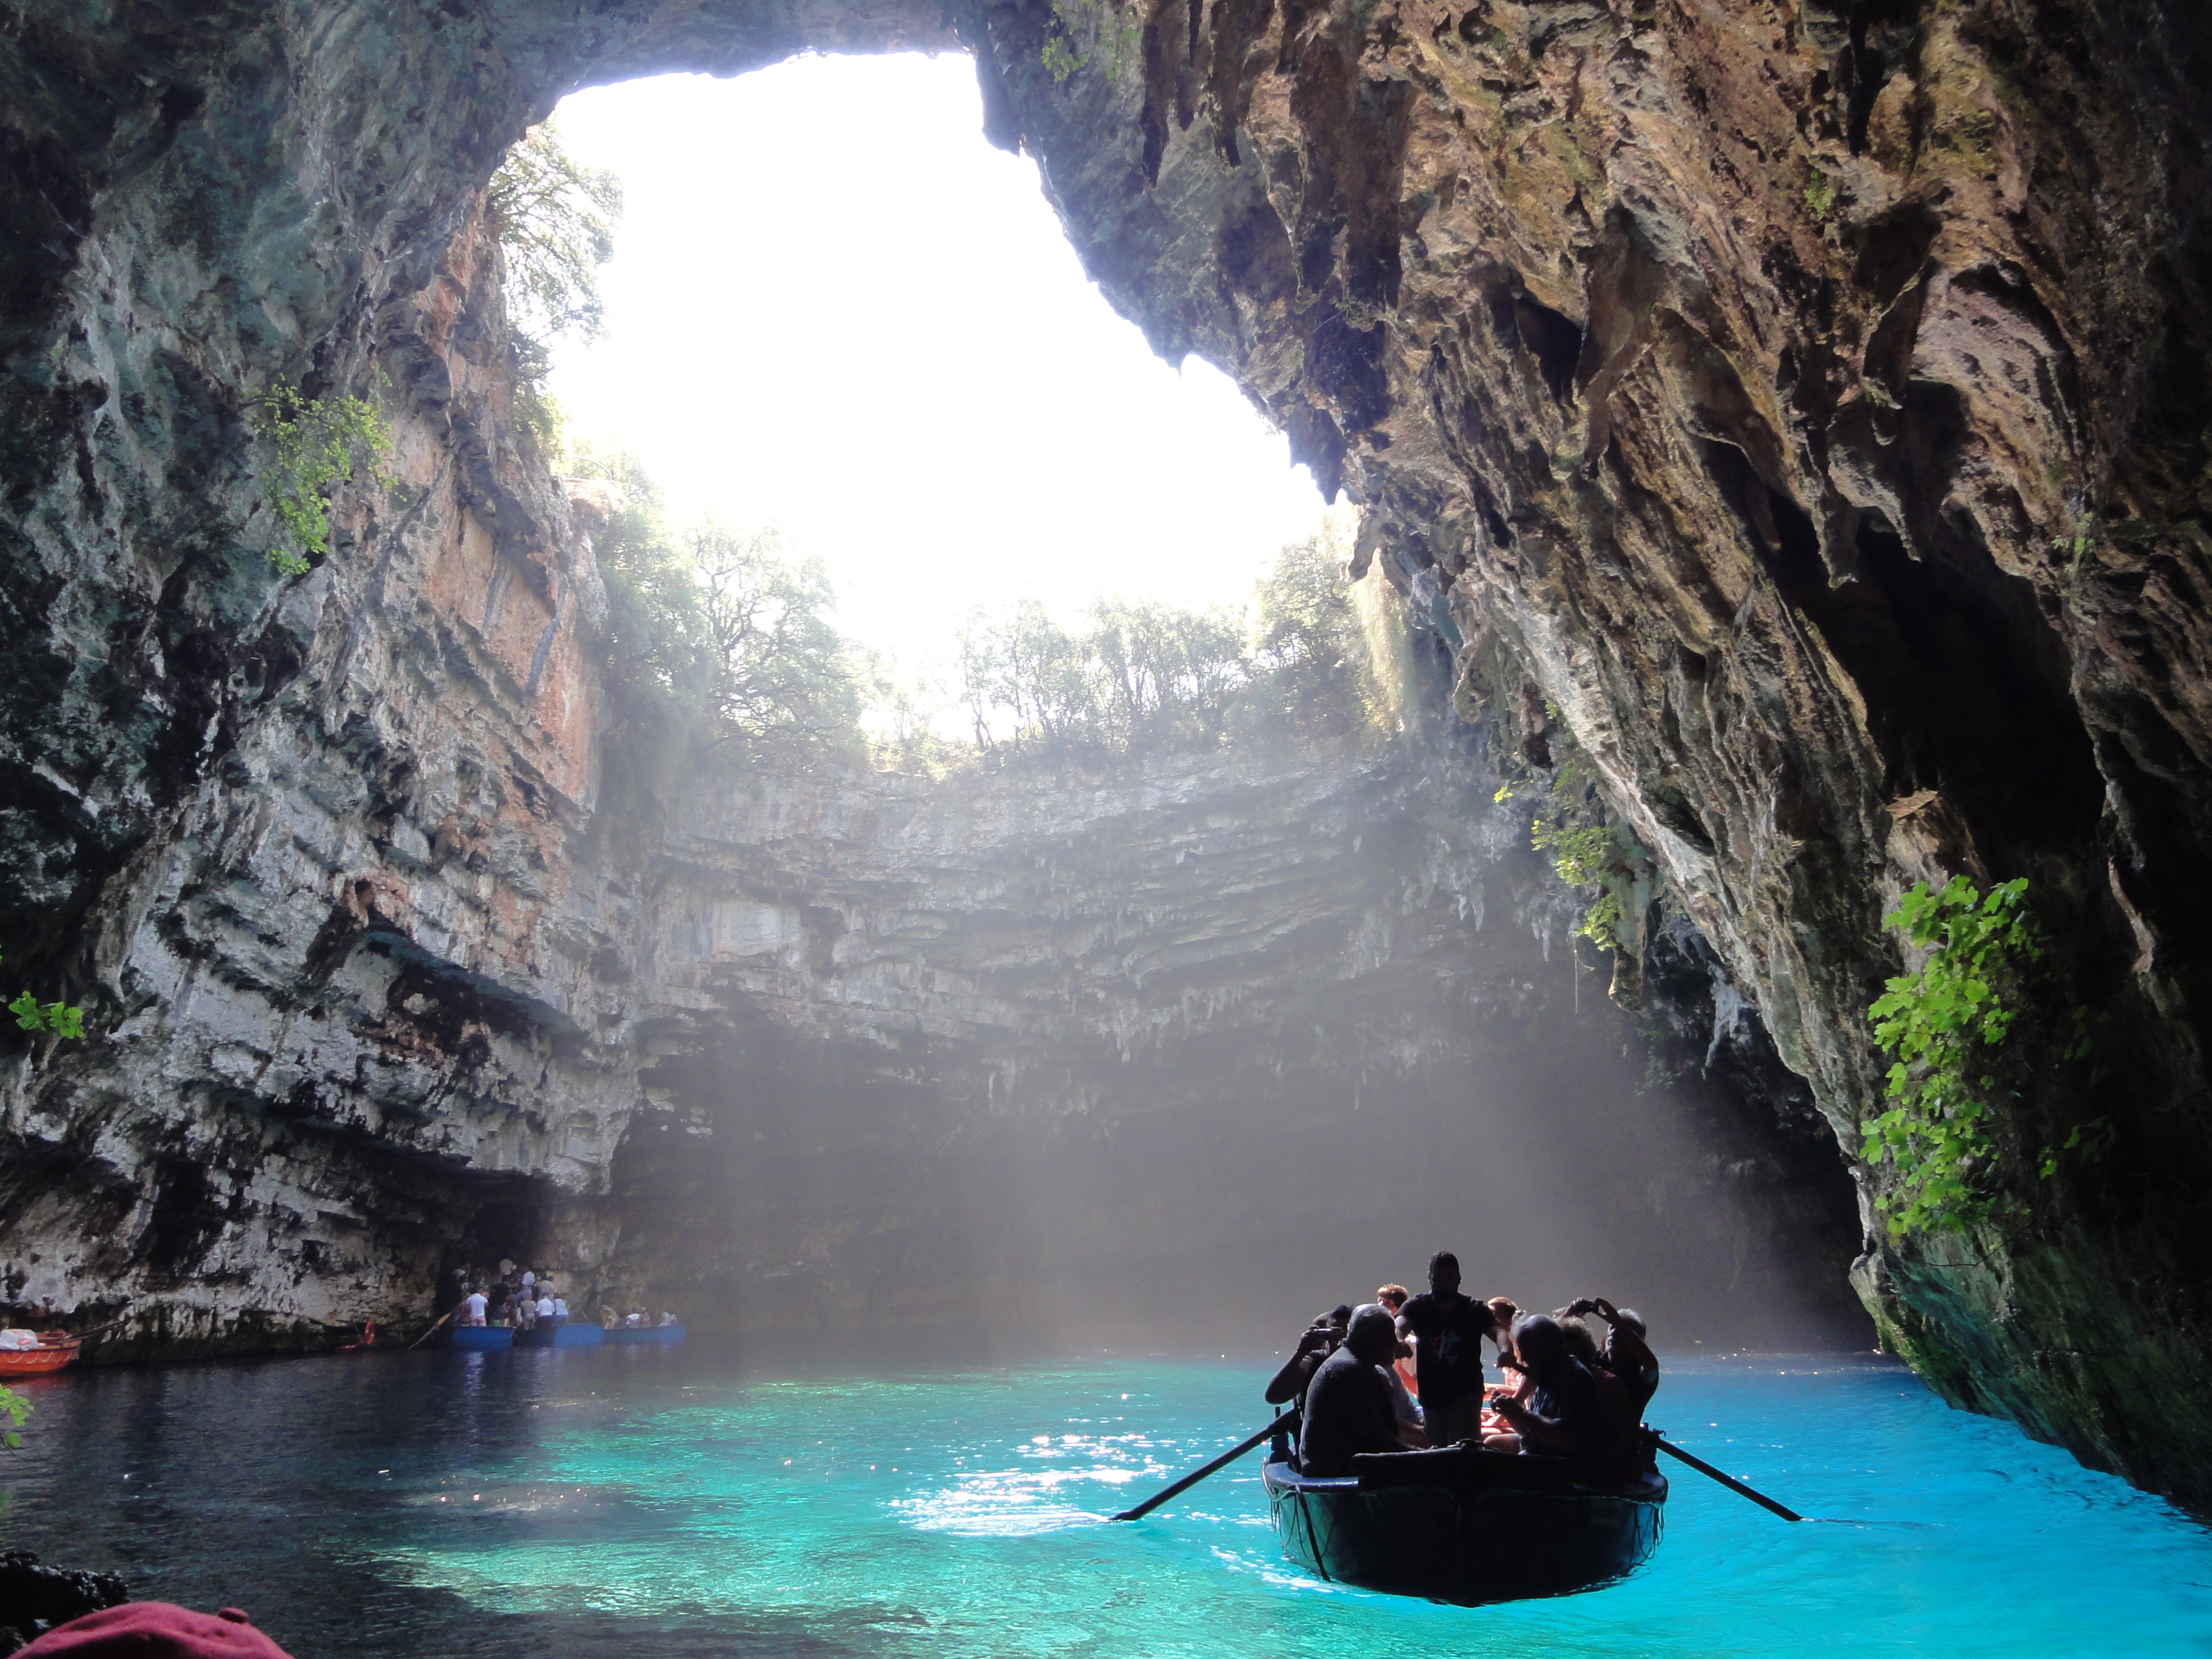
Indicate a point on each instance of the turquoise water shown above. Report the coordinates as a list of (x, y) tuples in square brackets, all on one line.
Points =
[(651, 1502)]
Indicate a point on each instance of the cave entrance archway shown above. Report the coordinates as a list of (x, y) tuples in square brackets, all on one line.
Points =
[(834, 308)]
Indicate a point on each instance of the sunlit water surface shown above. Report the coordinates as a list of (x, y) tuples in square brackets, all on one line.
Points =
[(664, 1502)]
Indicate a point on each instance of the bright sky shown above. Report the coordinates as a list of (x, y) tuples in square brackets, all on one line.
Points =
[(835, 307)]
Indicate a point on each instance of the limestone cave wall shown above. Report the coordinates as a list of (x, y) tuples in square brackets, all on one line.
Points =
[(1805, 399)]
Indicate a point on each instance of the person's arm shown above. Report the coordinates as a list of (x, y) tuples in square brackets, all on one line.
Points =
[(1544, 1431), (1290, 1382), (1633, 1349)]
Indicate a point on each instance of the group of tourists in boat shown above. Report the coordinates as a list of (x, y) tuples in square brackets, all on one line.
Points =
[(1412, 1474), (1403, 1372), (517, 1305), (516, 1296)]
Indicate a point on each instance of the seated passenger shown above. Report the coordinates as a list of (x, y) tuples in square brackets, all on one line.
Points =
[(1347, 1408), (1563, 1415), (1504, 1310), (1403, 1377), (1319, 1339), (668, 1319), (1391, 1299), (1581, 1340), (1627, 1355)]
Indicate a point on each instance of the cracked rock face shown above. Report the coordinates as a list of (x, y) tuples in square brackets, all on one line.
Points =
[(1806, 400)]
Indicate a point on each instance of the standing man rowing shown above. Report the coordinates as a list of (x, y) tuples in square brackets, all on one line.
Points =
[(1448, 1363)]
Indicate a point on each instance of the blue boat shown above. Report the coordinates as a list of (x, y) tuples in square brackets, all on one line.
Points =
[(563, 1335), (483, 1336), (643, 1333)]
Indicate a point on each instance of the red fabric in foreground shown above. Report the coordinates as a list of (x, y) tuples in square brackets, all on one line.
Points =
[(155, 1629)]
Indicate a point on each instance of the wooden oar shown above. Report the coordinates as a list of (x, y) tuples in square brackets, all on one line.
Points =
[(426, 1335), (1729, 1481), (1221, 1463)]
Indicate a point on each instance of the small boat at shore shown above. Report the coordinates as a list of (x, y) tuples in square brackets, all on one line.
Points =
[(1464, 1526), (55, 1349)]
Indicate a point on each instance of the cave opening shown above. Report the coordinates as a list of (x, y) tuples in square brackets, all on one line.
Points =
[(834, 307), (842, 311)]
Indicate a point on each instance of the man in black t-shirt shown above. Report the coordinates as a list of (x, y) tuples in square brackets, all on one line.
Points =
[(1347, 1408), (1449, 1328)]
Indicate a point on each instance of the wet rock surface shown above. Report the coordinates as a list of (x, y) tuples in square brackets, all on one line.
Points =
[(1806, 400), (36, 1598)]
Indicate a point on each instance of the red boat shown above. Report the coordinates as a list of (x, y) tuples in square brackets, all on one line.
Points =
[(55, 1350)]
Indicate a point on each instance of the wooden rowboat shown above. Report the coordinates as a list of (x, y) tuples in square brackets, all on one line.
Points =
[(55, 1349), (1464, 1526)]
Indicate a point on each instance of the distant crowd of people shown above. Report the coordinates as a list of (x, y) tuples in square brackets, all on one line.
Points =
[(1404, 1372), (519, 1297), (511, 1295)]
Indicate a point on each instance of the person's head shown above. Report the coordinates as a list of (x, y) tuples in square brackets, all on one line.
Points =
[(1627, 1319), (1504, 1310), (1580, 1341), (1337, 1317), (1373, 1336), (1539, 1342), (1444, 1274), (1392, 1296)]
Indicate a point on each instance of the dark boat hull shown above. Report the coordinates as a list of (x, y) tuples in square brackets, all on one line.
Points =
[(563, 1335), (1464, 1527)]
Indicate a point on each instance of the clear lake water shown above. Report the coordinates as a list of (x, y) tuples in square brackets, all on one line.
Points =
[(649, 1502)]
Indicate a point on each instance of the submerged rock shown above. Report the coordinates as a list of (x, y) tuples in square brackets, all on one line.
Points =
[(1806, 403)]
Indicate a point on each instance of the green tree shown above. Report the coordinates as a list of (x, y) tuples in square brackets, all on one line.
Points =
[(554, 220), (1309, 643), (784, 677), (721, 624)]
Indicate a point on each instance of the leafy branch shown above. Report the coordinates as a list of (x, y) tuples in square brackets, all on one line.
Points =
[(15, 1408), (314, 445), (60, 1017), (1584, 853), (1950, 1023)]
